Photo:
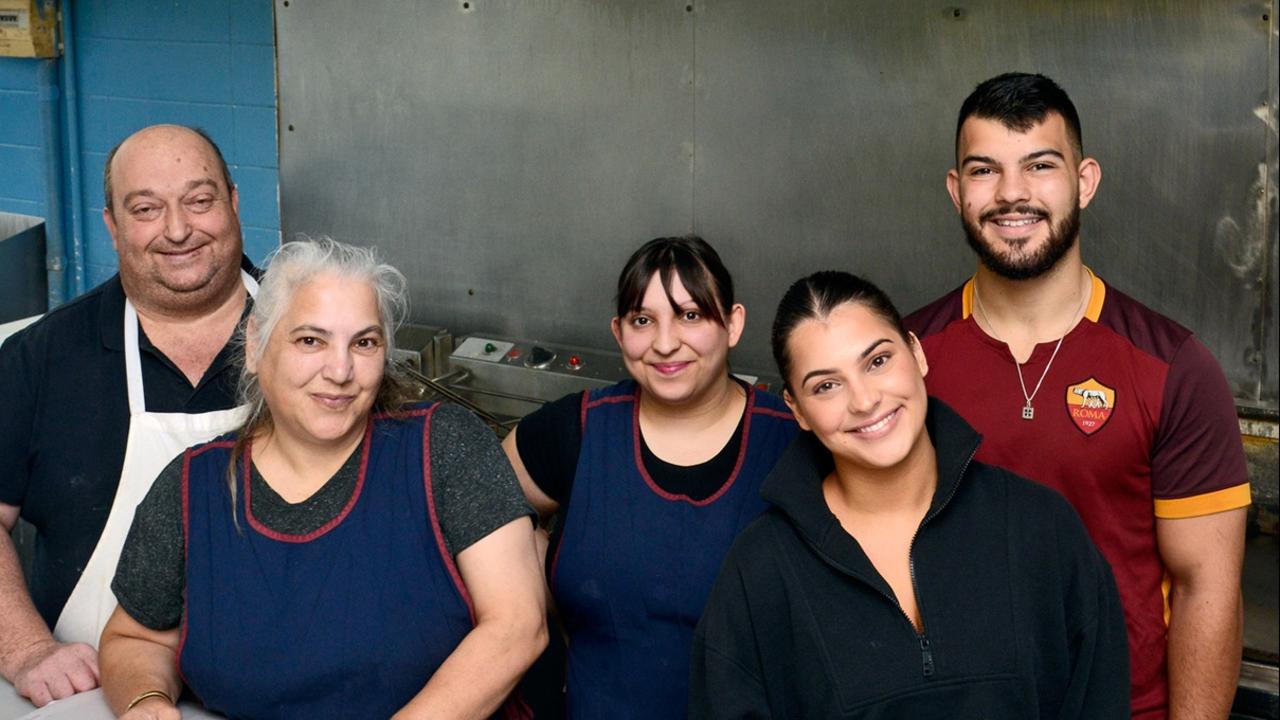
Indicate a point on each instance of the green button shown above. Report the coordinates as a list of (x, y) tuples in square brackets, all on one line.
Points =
[(489, 348)]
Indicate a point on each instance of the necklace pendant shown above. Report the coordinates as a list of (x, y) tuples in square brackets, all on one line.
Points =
[(1028, 412)]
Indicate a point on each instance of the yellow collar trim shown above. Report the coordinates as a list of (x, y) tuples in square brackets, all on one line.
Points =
[(1097, 296)]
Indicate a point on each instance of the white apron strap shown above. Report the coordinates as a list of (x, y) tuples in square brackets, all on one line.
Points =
[(133, 361), (154, 439), (132, 358)]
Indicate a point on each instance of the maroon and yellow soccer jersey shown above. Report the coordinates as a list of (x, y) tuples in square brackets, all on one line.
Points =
[(1134, 421)]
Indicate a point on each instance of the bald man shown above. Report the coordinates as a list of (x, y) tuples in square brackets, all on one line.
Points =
[(102, 392)]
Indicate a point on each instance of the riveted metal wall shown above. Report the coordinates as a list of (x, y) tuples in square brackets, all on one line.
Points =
[(1269, 329), (510, 154)]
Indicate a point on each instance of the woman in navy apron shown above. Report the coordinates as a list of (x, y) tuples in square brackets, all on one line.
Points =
[(344, 553), (650, 480)]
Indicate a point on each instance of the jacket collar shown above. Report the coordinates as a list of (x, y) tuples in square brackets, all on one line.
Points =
[(795, 486)]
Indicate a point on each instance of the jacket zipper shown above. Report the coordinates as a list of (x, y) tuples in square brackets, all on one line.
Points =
[(926, 652)]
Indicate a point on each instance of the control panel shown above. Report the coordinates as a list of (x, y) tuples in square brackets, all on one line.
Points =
[(582, 367), (514, 377)]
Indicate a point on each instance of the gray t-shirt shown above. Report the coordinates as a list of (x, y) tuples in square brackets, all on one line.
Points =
[(475, 489)]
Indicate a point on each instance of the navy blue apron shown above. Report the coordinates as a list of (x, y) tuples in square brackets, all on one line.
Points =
[(348, 621), (635, 563)]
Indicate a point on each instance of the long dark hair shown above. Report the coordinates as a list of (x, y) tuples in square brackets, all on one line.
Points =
[(814, 297), (691, 259)]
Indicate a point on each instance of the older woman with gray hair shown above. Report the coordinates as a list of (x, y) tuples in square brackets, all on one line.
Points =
[(346, 553)]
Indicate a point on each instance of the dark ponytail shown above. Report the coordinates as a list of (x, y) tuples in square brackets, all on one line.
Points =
[(814, 297)]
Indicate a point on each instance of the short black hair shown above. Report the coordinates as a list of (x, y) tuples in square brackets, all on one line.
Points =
[(1020, 101), (693, 260), (815, 297), (217, 153)]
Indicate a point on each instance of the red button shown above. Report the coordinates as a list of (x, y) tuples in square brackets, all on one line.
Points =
[(515, 353), (574, 361)]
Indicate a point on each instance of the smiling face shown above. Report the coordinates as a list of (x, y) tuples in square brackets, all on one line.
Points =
[(859, 387), (173, 220), (676, 357), (1019, 194), (323, 364)]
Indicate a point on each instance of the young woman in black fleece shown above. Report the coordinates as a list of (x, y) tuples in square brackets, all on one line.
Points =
[(894, 576)]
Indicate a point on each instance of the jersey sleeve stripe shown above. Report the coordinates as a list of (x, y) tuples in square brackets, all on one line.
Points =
[(1097, 295), (1205, 504)]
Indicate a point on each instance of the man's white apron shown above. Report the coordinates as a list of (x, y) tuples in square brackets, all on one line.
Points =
[(154, 440)]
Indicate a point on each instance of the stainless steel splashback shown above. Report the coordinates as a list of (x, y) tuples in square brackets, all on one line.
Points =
[(508, 155)]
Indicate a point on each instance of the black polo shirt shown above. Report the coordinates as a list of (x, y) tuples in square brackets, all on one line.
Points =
[(64, 423)]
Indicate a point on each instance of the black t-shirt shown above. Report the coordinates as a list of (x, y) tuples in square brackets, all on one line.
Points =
[(65, 422), (549, 441)]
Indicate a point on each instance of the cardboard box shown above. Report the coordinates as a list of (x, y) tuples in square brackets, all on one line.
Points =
[(29, 28)]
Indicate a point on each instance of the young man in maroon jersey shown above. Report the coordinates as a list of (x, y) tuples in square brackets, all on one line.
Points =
[(1082, 388)]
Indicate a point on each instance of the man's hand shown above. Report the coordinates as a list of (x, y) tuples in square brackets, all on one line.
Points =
[(51, 671), (40, 668)]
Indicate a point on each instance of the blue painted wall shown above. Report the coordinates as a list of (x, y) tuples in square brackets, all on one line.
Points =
[(22, 188), (209, 63)]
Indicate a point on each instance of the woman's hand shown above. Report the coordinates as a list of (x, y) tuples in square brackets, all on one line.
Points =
[(153, 708), (136, 659)]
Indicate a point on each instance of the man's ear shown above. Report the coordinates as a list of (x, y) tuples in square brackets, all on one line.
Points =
[(1090, 176), (109, 220), (953, 189)]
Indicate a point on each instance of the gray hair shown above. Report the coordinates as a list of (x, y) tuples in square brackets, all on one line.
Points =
[(292, 266)]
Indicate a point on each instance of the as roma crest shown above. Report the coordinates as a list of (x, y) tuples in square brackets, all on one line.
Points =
[(1090, 404)]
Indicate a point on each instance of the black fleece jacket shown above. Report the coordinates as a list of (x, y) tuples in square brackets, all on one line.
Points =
[(1021, 615)]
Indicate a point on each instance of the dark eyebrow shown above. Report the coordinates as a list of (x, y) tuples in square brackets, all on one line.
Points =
[(1048, 152), (805, 380), (978, 159), (870, 349), (644, 310), (314, 330), (985, 160)]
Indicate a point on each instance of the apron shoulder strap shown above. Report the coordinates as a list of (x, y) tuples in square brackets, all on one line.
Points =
[(132, 357)]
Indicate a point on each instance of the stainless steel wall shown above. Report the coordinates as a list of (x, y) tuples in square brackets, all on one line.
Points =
[(508, 155)]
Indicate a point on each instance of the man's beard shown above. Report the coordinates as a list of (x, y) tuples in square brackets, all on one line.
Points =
[(1062, 237)]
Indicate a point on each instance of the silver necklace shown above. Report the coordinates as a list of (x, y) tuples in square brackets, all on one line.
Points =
[(1028, 412)]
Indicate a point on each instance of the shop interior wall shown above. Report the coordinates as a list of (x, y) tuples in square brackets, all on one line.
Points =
[(209, 63), (509, 155)]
